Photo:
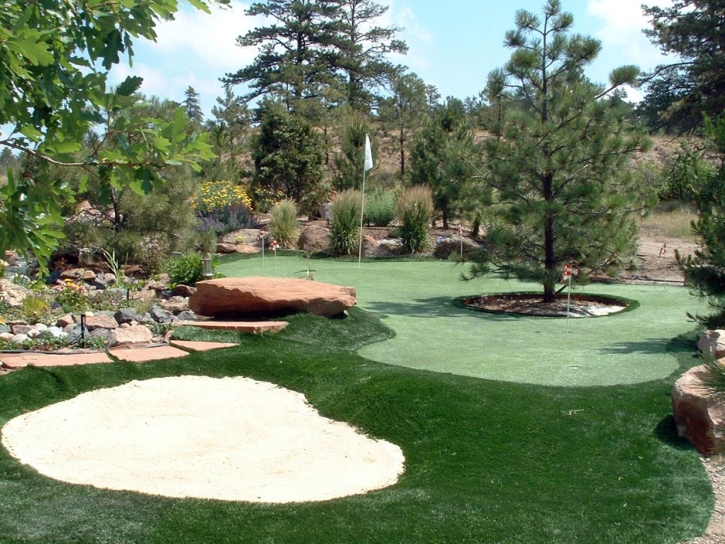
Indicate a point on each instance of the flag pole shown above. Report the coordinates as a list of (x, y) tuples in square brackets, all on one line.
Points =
[(367, 165), (362, 219)]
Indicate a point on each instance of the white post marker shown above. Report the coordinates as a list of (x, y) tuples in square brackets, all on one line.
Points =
[(367, 166), (274, 246), (460, 235), (569, 271), (260, 236)]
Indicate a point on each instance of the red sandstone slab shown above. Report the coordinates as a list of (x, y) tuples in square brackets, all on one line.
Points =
[(141, 355), (200, 346), (254, 327), (21, 360)]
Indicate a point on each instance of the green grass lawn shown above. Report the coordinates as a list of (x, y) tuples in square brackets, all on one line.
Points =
[(486, 460), (415, 299)]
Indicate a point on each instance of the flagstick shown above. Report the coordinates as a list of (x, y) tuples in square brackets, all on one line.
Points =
[(362, 217), (263, 252), (568, 302), (275, 263)]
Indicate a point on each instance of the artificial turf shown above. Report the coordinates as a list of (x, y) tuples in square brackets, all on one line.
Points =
[(417, 301), (486, 461)]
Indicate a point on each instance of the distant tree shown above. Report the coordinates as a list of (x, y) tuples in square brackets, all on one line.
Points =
[(705, 272), (558, 163), (443, 160), (288, 156), (228, 134), (404, 110), (363, 48), (192, 106), (292, 64), (693, 30), (350, 161)]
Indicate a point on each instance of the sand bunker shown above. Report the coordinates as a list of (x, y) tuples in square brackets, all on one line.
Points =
[(231, 439)]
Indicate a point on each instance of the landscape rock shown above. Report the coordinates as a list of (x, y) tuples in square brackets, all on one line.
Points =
[(160, 315), (712, 343), (19, 338), (103, 334), (188, 315), (64, 321), (314, 238), (175, 305), (183, 291), (5, 328), (100, 283), (137, 334), (124, 315), (699, 416), (448, 245), (88, 275), (51, 333), (258, 296), (74, 274), (388, 247), (22, 329), (101, 322), (13, 295), (6, 336), (226, 248)]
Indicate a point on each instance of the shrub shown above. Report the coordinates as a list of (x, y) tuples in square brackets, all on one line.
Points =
[(36, 309), (223, 207), (345, 222), (283, 225), (380, 207), (414, 210), (72, 296), (186, 270)]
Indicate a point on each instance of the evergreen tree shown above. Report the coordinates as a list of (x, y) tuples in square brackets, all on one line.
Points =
[(558, 163), (350, 162), (192, 106), (705, 272), (693, 30), (288, 155), (442, 159), (293, 62), (362, 50), (229, 132), (404, 110)]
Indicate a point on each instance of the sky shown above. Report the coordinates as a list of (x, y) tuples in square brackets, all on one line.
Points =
[(453, 44)]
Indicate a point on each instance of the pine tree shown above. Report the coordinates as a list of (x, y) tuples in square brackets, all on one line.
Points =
[(558, 162), (192, 105)]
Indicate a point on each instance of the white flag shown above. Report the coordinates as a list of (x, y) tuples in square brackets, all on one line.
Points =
[(368, 154)]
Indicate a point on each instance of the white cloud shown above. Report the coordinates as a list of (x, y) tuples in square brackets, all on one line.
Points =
[(624, 21)]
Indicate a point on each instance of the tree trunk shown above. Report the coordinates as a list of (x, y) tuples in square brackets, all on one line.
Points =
[(549, 243), (401, 139)]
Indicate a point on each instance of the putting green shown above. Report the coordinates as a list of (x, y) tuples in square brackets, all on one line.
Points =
[(415, 300)]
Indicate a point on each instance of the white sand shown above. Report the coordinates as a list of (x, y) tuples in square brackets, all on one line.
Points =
[(231, 439)]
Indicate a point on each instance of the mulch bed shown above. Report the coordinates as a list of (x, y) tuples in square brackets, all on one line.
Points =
[(530, 304)]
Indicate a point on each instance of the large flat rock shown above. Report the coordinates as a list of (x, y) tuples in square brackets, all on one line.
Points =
[(260, 296)]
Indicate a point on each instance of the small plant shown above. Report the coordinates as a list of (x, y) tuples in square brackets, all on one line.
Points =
[(345, 222), (414, 211), (380, 207), (36, 308), (186, 270), (283, 225), (72, 296)]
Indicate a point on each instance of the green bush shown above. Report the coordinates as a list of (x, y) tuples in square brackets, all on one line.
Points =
[(380, 207), (345, 222), (186, 270), (283, 225), (414, 211)]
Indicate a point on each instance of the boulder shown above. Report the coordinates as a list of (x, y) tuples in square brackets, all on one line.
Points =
[(100, 322), (388, 247), (175, 305), (158, 314), (183, 291), (51, 333), (226, 248), (136, 334), (699, 416), (448, 245), (257, 296), (712, 343), (314, 238), (124, 315), (64, 321), (13, 295)]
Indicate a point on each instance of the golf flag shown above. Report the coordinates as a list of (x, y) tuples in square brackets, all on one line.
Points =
[(663, 251), (368, 154)]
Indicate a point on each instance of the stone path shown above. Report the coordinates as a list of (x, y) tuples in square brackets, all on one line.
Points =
[(177, 348)]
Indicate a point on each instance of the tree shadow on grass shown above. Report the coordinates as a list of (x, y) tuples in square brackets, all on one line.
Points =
[(426, 308), (650, 346)]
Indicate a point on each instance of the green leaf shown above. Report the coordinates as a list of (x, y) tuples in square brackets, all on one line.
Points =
[(129, 86)]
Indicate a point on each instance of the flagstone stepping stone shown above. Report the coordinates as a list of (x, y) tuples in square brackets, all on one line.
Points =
[(253, 327), (16, 361), (200, 346), (258, 296), (141, 355)]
